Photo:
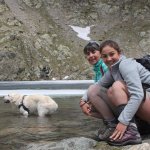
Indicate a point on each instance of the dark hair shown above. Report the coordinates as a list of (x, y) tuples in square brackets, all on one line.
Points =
[(92, 45), (110, 43)]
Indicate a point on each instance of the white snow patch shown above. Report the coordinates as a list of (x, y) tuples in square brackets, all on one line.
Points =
[(82, 32)]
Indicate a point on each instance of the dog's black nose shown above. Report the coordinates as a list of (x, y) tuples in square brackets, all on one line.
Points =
[(7, 101)]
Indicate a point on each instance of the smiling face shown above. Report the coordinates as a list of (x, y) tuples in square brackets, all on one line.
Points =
[(110, 52), (92, 52), (109, 55), (93, 56)]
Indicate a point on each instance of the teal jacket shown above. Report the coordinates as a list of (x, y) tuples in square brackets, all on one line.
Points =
[(99, 69)]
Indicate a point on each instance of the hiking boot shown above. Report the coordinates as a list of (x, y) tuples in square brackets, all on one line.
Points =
[(101, 130), (107, 132), (130, 137)]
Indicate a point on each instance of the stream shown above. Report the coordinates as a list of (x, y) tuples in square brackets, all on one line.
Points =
[(69, 121)]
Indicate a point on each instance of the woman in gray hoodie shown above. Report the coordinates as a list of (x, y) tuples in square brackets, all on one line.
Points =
[(119, 96)]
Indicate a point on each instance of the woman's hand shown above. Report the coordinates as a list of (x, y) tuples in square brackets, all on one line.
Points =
[(119, 131), (86, 108)]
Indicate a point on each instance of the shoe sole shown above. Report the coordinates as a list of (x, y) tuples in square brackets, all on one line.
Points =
[(129, 142), (96, 138)]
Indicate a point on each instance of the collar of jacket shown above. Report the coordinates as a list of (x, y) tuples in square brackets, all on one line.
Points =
[(116, 65)]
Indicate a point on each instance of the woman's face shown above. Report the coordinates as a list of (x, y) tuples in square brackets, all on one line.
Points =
[(109, 55), (93, 56)]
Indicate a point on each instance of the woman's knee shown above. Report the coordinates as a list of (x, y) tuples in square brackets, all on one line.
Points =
[(116, 87), (110, 92), (93, 91)]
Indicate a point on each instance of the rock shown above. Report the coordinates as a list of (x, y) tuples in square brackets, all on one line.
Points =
[(33, 3), (143, 146), (81, 143)]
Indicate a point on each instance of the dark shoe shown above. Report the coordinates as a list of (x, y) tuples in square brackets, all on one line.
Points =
[(107, 132), (101, 130), (130, 137)]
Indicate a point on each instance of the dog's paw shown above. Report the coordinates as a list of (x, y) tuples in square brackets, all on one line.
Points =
[(25, 113), (41, 114)]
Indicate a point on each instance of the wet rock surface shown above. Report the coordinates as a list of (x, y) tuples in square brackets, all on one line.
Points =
[(82, 143)]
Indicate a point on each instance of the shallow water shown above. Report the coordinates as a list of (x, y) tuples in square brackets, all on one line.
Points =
[(17, 131)]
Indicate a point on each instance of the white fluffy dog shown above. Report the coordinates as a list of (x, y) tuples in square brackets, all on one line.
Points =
[(30, 104)]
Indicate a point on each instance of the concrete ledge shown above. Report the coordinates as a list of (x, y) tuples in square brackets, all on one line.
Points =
[(52, 93), (54, 85), (59, 88)]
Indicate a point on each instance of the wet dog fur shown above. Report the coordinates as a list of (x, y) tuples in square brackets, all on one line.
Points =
[(32, 104)]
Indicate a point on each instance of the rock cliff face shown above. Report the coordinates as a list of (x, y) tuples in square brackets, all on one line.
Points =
[(39, 40)]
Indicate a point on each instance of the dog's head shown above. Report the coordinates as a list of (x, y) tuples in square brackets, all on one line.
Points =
[(10, 98)]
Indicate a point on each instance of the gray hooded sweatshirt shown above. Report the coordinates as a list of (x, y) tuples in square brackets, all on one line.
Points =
[(133, 74)]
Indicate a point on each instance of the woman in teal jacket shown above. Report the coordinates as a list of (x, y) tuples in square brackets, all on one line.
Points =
[(92, 54)]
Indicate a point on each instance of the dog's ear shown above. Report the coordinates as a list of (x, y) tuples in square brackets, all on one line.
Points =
[(14, 97), (12, 94)]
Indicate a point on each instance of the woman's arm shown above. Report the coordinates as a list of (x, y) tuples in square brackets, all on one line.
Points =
[(130, 74), (107, 80)]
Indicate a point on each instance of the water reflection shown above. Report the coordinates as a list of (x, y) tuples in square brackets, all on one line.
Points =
[(17, 131)]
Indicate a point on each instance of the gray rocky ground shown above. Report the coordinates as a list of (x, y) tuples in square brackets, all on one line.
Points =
[(37, 41), (83, 143)]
